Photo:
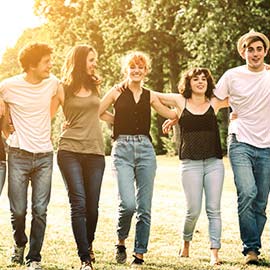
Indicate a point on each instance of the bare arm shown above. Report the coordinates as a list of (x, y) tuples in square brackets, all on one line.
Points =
[(57, 100), (168, 99), (2, 107), (107, 117), (219, 104), (7, 126), (108, 99), (160, 108)]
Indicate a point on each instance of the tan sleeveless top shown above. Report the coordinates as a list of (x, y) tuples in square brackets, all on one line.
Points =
[(84, 133)]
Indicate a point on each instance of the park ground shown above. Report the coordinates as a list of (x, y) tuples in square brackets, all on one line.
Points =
[(59, 250)]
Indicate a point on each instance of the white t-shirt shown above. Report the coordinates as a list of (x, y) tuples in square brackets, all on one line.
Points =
[(249, 97), (30, 112)]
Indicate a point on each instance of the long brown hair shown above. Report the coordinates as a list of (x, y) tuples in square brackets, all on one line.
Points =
[(184, 85), (74, 74)]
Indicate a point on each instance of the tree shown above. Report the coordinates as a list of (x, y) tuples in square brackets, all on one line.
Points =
[(177, 34)]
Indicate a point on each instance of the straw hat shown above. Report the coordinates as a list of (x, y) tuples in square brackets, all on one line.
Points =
[(251, 33)]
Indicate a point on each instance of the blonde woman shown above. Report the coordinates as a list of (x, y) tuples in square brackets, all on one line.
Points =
[(133, 156)]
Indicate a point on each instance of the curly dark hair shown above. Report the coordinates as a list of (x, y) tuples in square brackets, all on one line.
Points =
[(31, 54), (184, 85)]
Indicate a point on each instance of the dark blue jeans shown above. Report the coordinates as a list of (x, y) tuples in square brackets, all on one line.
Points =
[(251, 169), (2, 174), (24, 167), (82, 174)]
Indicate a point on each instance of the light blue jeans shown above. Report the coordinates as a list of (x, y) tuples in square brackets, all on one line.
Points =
[(251, 169), (2, 174), (134, 165), (200, 176)]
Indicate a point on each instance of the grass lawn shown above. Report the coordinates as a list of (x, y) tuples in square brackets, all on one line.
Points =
[(59, 250)]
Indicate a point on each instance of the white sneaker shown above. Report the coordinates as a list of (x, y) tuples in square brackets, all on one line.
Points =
[(86, 266), (34, 265)]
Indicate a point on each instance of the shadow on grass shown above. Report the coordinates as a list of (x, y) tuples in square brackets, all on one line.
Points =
[(264, 262)]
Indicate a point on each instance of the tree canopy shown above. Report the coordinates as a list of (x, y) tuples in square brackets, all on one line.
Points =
[(177, 34)]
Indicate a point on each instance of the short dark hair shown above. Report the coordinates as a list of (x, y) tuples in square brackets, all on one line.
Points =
[(31, 54), (253, 39), (184, 85)]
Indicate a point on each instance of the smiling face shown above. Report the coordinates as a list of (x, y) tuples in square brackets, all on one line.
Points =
[(254, 55), (135, 66), (136, 72), (42, 70), (91, 63), (198, 84)]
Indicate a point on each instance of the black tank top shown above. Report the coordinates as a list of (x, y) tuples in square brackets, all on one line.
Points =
[(199, 135), (132, 118)]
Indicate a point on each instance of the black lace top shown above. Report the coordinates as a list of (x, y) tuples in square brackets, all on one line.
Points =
[(199, 135)]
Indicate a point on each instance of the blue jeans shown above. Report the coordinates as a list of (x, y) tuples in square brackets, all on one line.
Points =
[(251, 168), (2, 174), (200, 176), (82, 174), (24, 167), (134, 165)]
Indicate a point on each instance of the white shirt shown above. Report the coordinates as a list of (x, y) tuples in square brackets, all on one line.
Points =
[(249, 97), (30, 112)]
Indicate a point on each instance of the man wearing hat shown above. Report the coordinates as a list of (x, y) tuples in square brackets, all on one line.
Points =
[(248, 89)]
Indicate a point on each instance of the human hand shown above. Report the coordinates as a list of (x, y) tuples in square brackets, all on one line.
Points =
[(167, 125), (267, 67), (65, 126), (2, 107), (121, 87), (10, 124), (233, 116)]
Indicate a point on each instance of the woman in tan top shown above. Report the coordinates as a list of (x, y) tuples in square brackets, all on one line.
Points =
[(81, 150)]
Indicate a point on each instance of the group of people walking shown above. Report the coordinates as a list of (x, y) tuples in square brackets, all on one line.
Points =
[(30, 100)]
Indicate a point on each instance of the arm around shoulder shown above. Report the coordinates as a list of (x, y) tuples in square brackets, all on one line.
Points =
[(160, 108), (108, 99), (57, 100), (219, 103)]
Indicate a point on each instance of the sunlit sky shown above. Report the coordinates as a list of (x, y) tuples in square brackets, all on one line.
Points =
[(15, 16)]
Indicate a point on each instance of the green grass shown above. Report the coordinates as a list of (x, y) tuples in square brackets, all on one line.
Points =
[(59, 250)]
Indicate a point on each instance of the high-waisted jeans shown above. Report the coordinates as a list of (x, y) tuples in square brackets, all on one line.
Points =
[(134, 165), (200, 176), (82, 174)]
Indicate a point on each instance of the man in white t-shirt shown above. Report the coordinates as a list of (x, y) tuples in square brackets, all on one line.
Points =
[(30, 154), (248, 89)]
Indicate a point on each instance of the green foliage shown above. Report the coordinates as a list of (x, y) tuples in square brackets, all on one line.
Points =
[(169, 145), (107, 135), (176, 34)]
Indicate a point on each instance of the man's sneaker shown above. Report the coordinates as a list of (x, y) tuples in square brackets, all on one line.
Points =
[(86, 266), (120, 254), (92, 254), (34, 265), (251, 258), (137, 263), (17, 255)]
